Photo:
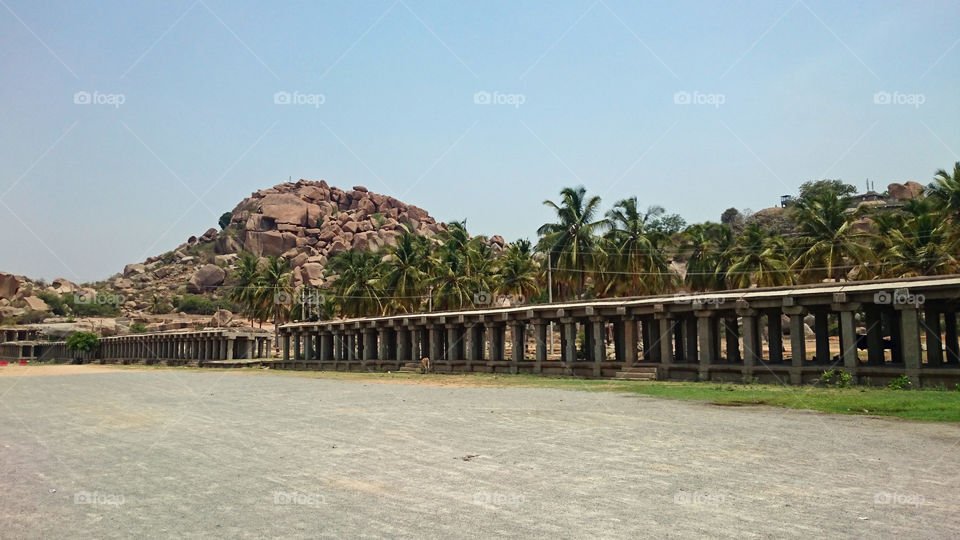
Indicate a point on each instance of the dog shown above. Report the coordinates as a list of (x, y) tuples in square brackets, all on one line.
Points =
[(424, 365)]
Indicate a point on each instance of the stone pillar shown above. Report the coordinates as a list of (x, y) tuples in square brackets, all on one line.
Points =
[(666, 339), (629, 337), (569, 342), (326, 346), (383, 338), (910, 341), (297, 351), (415, 344), (848, 337), (798, 342), (337, 346), (403, 344), (436, 343), (599, 352), (454, 343), (751, 340), (540, 330), (286, 347), (230, 342), (706, 334), (931, 325)]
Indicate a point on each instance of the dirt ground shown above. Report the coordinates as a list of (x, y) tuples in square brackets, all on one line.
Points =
[(208, 454), (39, 370)]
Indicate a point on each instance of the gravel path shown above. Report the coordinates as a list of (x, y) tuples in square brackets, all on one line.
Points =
[(189, 454)]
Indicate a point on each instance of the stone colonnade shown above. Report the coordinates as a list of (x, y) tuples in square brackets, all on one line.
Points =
[(186, 347), (875, 331)]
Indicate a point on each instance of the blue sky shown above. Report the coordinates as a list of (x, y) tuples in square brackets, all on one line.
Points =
[(788, 93)]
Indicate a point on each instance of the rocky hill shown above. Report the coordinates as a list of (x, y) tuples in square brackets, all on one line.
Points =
[(307, 222)]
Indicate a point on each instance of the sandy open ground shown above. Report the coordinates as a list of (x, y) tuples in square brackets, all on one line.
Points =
[(176, 453)]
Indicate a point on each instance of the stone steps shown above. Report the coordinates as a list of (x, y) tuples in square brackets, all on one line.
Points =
[(410, 367), (637, 374)]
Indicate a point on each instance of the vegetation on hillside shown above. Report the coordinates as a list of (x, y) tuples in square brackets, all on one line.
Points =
[(584, 253)]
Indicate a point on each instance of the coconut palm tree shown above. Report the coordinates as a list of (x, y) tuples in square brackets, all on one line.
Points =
[(570, 241), (708, 248), (248, 282), (357, 286), (759, 259), (918, 242), (639, 252), (519, 272), (828, 245), (275, 294), (945, 191), (404, 271)]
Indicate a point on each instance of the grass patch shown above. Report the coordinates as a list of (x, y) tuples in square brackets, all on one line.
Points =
[(926, 405)]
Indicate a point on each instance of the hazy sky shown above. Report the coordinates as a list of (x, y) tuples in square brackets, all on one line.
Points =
[(183, 122)]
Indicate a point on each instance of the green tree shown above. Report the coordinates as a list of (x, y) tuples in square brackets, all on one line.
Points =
[(817, 188), (404, 272), (519, 271), (758, 259), (83, 342), (225, 219), (357, 285), (570, 241), (247, 290), (708, 247), (636, 249), (945, 192), (828, 245), (276, 291)]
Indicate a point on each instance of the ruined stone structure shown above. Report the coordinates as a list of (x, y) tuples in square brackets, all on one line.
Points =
[(218, 347), (199, 347), (906, 327)]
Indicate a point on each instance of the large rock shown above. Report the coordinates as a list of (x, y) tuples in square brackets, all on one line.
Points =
[(9, 285), (284, 208), (221, 318), (208, 277), (905, 191), (36, 304), (133, 269), (64, 286)]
